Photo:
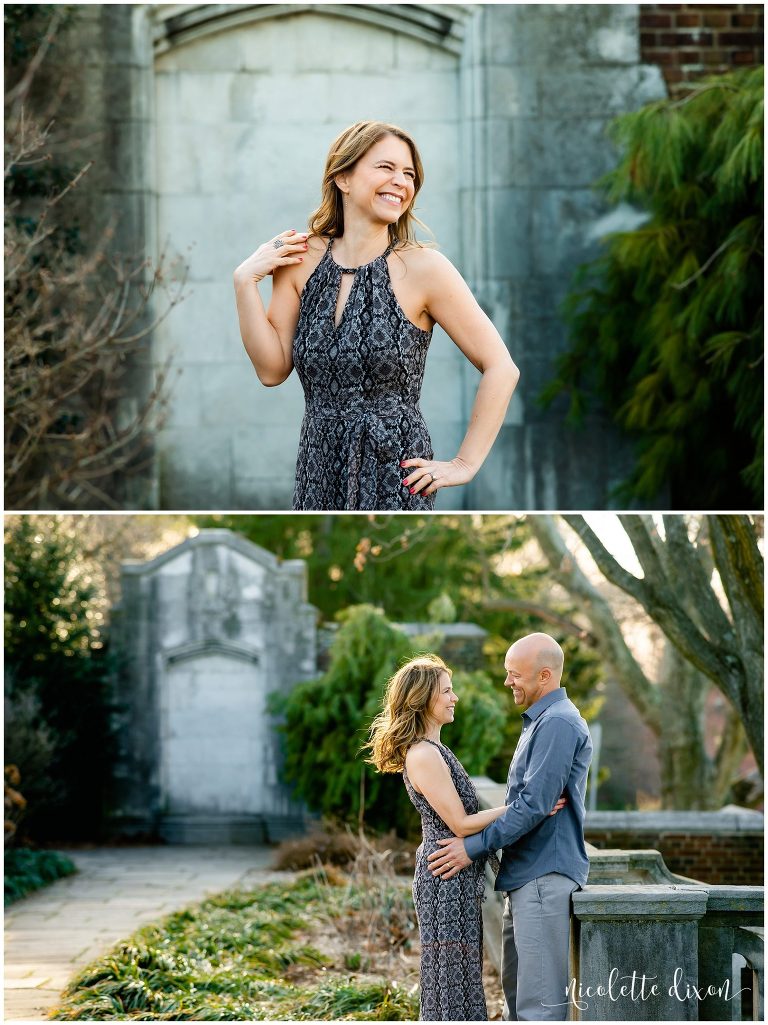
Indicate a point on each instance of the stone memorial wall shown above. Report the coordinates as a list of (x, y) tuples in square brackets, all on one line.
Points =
[(203, 635)]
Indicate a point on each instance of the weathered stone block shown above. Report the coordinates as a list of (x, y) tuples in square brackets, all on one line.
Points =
[(217, 52), (559, 225), (389, 95), (269, 492), (195, 468), (513, 92), (411, 56), (198, 333), (509, 232), (287, 95), (265, 451), (636, 952), (305, 40), (552, 35), (598, 92), (551, 152)]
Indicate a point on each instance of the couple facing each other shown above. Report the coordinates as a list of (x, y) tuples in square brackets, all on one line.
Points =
[(540, 831)]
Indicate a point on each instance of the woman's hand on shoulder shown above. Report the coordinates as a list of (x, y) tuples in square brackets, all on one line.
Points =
[(286, 249)]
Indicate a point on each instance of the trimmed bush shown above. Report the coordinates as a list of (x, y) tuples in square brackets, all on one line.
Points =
[(27, 870)]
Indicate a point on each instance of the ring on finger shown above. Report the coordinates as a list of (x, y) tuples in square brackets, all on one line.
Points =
[(278, 243)]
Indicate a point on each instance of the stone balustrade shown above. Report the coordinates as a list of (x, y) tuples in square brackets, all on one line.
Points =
[(650, 945)]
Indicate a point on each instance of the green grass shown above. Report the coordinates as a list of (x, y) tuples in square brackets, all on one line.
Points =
[(237, 957), (26, 871)]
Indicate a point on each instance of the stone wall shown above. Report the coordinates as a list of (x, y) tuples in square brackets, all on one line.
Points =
[(204, 634), (691, 40), (714, 847)]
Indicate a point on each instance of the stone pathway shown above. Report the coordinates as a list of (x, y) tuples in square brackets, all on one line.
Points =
[(53, 933)]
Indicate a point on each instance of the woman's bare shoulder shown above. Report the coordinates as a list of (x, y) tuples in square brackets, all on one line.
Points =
[(422, 258), (422, 754)]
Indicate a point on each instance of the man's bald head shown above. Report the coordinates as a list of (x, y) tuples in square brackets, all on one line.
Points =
[(534, 666), (543, 650)]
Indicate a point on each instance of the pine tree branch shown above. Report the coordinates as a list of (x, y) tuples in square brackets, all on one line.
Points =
[(679, 285)]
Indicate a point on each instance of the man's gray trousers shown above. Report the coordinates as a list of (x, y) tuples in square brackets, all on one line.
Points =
[(535, 947)]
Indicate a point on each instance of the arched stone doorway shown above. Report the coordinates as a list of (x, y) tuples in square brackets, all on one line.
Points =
[(204, 634)]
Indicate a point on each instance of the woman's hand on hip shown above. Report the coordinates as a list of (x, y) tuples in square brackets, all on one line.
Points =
[(429, 475), (284, 249)]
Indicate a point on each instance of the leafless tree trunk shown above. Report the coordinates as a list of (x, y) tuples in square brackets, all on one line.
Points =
[(725, 642), (673, 705)]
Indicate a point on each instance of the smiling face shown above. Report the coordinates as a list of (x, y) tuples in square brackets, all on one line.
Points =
[(533, 669), (382, 183), (443, 703)]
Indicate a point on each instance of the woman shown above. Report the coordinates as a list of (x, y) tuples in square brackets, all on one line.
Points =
[(405, 736), (354, 301)]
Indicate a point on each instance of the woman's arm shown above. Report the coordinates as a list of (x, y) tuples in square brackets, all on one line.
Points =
[(431, 777), (268, 336), (451, 304)]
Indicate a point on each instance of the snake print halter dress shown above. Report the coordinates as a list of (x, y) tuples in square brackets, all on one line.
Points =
[(449, 913), (362, 381)]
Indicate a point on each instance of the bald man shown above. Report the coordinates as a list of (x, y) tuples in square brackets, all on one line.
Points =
[(544, 858)]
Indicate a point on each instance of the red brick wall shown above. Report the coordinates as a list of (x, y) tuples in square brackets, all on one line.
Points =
[(691, 40), (733, 859)]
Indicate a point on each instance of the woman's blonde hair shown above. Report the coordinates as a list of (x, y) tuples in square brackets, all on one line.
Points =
[(405, 717), (353, 143)]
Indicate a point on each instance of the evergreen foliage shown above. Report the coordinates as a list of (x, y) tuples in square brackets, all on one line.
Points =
[(56, 669), (327, 721), (667, 325), (26, 871)]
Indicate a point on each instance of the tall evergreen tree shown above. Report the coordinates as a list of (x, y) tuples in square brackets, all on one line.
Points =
[(667, 325), (56, 674), (327, 721)]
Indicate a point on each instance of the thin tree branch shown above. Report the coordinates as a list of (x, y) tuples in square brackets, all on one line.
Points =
[(542, 612), (688, 562), (566, 570), (663, 605)]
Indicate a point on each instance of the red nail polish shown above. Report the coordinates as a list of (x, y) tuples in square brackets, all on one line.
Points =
[(413, 491)]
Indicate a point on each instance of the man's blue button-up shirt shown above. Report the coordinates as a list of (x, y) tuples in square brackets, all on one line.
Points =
[(551, 758)]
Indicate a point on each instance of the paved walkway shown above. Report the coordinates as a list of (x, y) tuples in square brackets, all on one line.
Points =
[(53, 933)]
